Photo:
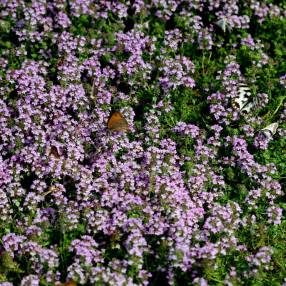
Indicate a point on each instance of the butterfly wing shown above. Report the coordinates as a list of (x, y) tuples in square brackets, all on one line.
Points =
[(242, 102), (270, 130), (117, 122), (223, 24), (70, 283), (54, 151)]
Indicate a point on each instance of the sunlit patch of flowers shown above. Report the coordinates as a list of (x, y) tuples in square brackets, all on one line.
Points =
[(167, 199)]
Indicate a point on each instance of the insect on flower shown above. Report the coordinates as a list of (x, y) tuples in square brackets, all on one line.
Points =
[(54, 151), (242, 102), (117, 122), (270, 130), (223, 24), (70, 283)]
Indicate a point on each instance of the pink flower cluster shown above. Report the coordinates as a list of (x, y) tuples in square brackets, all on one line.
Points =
[(109, 208)]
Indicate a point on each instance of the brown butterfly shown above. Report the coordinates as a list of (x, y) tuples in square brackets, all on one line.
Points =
[(54, 151), (70, 283), (117, 122)]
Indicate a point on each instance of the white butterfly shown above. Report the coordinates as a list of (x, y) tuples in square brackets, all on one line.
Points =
[(223, 24), (242, 102), (270, 130)]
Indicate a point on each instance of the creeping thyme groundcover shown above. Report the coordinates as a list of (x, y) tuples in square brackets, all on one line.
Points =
[(193, 193)]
